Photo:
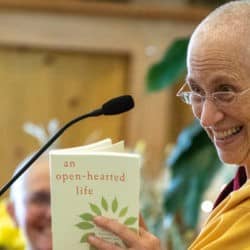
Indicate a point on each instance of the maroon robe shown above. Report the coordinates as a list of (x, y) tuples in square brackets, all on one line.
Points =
[(239, 179)]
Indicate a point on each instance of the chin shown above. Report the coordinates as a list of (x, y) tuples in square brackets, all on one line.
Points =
[(43, 247), (229, 158), (41, 244)]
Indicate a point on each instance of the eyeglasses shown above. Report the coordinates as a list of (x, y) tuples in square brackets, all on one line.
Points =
[(220, 98)]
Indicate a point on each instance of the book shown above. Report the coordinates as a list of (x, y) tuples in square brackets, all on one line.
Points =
[(86, 181)]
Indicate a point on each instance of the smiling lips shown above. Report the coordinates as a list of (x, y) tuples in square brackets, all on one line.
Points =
[(222, 135)]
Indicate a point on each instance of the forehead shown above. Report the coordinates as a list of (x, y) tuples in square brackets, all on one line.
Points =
[(38, 178), (214, 60), (220, 48)]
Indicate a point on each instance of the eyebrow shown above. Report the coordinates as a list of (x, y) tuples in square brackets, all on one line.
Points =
[(214, 79)]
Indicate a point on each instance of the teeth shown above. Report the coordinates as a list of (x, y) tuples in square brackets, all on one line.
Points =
[(226, 133)]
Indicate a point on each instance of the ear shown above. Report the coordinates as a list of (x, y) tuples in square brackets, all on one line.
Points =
[(11, 212)]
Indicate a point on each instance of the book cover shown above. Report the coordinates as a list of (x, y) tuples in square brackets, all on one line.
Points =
[(97, 179)]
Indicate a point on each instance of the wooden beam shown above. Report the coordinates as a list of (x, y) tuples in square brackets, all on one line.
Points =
[(146, 11)]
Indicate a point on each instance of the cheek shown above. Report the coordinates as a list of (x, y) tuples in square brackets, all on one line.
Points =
[(30, 219), (241, 109), (32, 216)]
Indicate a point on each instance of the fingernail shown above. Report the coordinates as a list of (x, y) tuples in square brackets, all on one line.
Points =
[(98, 219), (91, 238)]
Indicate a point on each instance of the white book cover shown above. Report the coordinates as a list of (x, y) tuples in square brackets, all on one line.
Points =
[(97, 179)]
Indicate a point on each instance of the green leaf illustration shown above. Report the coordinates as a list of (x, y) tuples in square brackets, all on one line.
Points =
[(130, 221), (87, 216), (104, 204), (85, 225), (85, 237), (114, 205), (135, 230), (123, 212), (95, 209)]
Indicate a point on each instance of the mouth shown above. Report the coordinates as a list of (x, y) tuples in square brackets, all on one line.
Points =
[(228, 133), (44, 240)]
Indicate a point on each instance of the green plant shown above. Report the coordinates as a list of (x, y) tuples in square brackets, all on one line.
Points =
[(193, 162), (170, 68)]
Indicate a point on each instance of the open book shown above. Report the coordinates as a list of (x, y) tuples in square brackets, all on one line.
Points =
[(97, 179)]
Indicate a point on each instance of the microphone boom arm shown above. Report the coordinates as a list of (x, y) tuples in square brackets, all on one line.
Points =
[(46, 146), (112, 107)]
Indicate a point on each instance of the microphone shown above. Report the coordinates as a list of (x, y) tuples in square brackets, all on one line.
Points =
[(114, 106), (118, 105)]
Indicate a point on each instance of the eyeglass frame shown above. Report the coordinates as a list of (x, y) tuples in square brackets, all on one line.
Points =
[(182, 94)]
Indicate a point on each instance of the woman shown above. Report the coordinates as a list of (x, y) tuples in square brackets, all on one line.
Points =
[(218, 89)]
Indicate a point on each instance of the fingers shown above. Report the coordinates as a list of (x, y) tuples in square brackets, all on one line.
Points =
[(123, 232), (148, 241), (142, 222), (101, 244), (141, 241), (142, 232)]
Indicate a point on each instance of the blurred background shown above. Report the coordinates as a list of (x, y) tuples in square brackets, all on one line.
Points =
[(62, 58)]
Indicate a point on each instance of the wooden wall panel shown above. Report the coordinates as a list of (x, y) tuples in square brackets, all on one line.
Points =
[(135, 34), (38, 85)]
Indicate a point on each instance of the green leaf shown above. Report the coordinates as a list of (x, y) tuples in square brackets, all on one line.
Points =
[(104, 204), (85, 237), (95, 209), (130, 221), (123, 212), (176, 238), (87, 216), (114, 205), (193, 164), (135, 230), (191, 139), (171, 68), (85, 225), (92, 248)]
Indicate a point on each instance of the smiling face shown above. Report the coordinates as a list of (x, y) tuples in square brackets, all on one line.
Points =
[(31, 210), (219, 60)]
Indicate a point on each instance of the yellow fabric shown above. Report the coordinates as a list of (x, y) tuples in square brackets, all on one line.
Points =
[(11, 237), (228, 226)]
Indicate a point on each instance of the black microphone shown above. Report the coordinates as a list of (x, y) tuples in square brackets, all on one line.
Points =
[(112, 107), (118, 105)]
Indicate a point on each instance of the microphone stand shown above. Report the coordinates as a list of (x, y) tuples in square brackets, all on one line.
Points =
[(46, 146)]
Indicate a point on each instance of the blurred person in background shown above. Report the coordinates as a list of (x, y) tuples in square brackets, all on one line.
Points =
[(29, 205)]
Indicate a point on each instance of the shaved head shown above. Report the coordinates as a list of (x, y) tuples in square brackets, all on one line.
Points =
[(228, 24), (218, 60), (18, 188), (231, 18)]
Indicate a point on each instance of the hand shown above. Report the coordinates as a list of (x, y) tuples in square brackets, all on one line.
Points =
[(142, 241)]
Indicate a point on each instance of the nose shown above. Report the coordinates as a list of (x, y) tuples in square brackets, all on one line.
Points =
[(209, 114), (48, 212)]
